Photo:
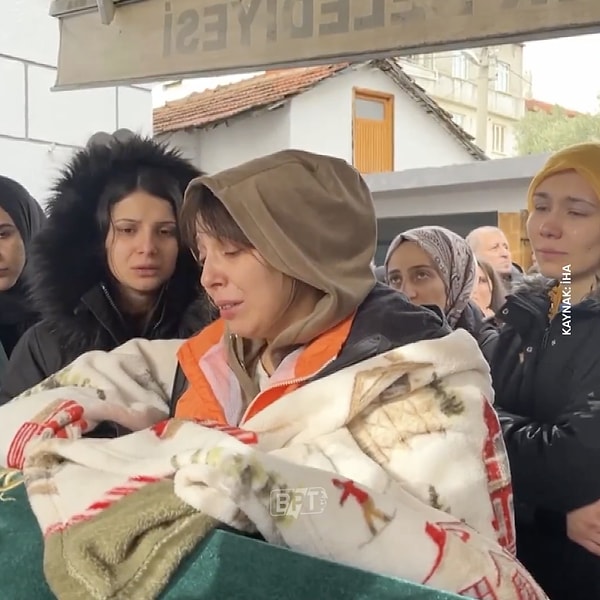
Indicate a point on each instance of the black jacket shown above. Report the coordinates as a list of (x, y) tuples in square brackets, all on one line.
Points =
[(483, 330), (69, 276), (547, 383), (385, 320)]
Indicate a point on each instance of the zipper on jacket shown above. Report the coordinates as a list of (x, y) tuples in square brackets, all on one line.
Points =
[(113, 305), (284, 384), (112, 302), (546, 336)]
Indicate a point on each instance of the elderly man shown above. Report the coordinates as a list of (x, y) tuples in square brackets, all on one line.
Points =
[(490, 245)]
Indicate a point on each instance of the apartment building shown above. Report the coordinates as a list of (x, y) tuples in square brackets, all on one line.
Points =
[(457, 81)]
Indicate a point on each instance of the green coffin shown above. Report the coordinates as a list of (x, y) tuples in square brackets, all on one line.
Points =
[(225, 566)]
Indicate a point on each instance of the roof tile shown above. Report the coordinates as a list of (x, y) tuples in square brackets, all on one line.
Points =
[(210, 107), (216, 105)]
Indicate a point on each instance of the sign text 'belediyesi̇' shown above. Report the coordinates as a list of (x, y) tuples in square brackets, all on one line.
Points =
[(235, 23)]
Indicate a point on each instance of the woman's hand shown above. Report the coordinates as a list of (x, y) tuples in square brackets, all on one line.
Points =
[(583, 527)]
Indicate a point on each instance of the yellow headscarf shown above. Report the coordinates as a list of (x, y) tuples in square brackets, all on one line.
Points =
[(584, 159)]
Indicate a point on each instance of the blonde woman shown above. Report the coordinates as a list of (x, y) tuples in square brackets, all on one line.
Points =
[(546, 373)]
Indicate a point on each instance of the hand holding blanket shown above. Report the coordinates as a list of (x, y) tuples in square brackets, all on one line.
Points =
[(130, 386)]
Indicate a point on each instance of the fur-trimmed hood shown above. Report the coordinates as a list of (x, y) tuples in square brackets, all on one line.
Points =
[(535, 289), (68, 258), (533, 284)]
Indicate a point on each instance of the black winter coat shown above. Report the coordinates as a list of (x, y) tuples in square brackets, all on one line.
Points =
[(70, 287), (547, 383), (483, 330)]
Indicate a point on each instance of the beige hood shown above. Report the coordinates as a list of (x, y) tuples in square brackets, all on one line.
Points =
[(312, 217)]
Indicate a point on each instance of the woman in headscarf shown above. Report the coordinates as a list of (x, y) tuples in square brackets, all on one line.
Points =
[(109, 265), (21, 217), (546, 374), (434, 266)]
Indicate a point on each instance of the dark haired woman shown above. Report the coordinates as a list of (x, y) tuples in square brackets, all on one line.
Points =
[(21, 217), (109, 266), (489, 293)]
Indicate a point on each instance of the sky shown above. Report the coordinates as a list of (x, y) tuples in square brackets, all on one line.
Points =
[(564, 71)]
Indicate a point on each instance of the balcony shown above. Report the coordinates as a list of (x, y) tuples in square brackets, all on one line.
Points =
[(461, 91)]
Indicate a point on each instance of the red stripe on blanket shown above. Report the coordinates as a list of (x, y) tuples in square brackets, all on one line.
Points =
[(144, 479), (499, 485), (243, 435), (113, 495), (66, 413), (26, 432), (168, 428)]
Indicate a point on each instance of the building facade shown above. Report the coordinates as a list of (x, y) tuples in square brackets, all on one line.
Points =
[(371, 115), (39, 128), (459, 197), (457, 81)]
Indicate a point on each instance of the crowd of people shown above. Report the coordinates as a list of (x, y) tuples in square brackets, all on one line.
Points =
[(274, 261)]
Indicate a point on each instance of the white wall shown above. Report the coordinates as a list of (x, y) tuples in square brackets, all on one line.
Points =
[(488, 186), (39, 129), (488, 197), (321, 121), (228, 145)]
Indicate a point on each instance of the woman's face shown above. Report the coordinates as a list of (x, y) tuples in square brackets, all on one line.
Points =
[(564, 226), (257, 301), (410, 270), (12, 252), (482, 291), (141, 244)]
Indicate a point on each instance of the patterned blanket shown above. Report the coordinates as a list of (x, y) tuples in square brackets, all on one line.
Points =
[(395, 465)]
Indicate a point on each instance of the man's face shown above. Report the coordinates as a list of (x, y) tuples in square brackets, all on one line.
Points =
[(493, 248)]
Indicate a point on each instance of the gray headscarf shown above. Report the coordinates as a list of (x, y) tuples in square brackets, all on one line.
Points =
[(452, 257)]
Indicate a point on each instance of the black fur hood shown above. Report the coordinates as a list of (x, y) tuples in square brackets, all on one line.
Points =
[(534, 290), (67, 256)]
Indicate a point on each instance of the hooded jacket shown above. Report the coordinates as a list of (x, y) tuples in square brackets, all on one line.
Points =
[(546, 373), (69, 273), (547, 381), (16, 311), (312, 218)]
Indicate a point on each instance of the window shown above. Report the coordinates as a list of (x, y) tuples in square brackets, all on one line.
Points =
[(371, 109), (460, 66), (373, 131), (498, 138), (427, 61), (502, 77)]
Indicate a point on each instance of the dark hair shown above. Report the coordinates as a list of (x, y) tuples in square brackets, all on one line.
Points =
[(202, 205), (497, 286), (156, 182)]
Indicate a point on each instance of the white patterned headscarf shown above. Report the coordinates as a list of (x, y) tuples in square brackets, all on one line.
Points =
[(453, 259)]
